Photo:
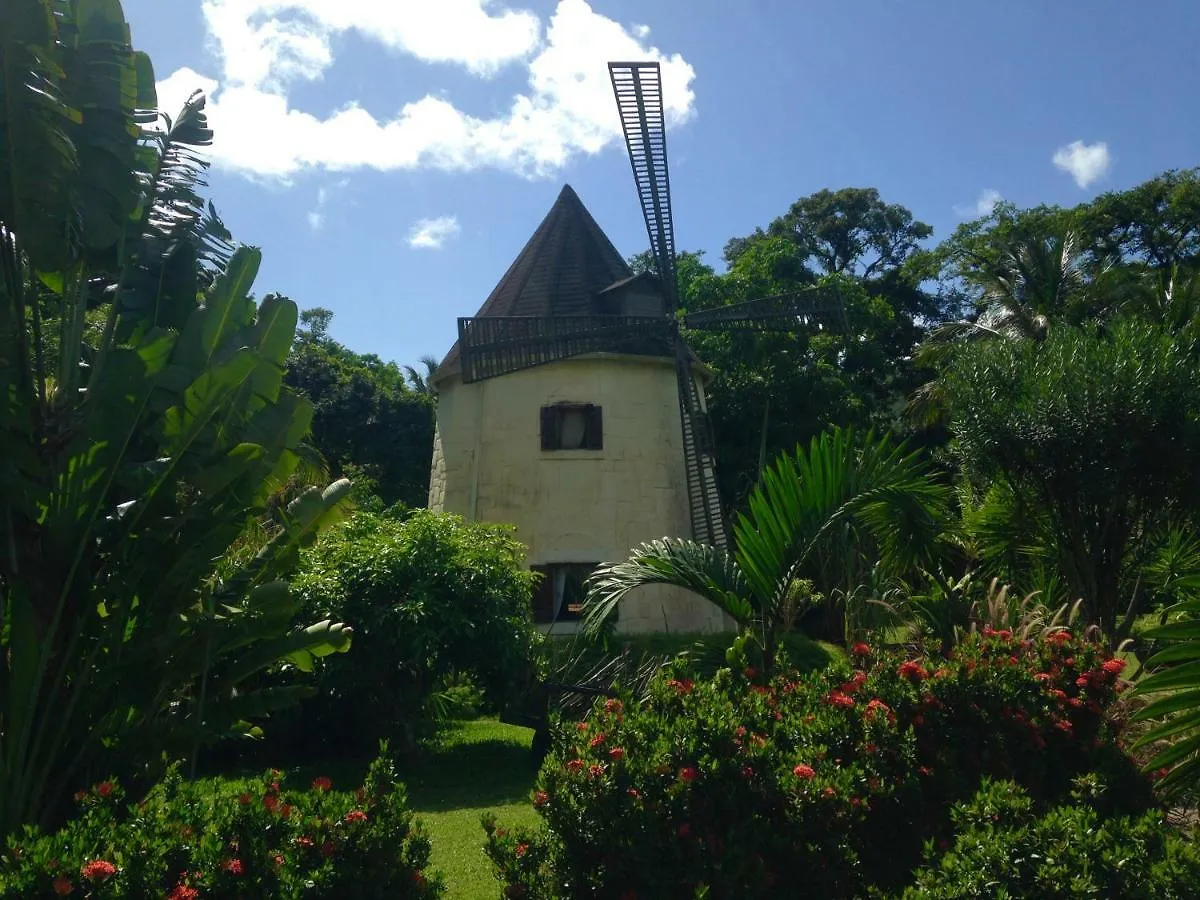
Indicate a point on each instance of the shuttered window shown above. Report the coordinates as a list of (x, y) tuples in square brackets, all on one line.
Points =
[(572, 426), (560, 593)]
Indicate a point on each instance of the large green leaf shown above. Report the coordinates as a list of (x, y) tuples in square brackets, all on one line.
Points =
[(706, 571), (38, 162)]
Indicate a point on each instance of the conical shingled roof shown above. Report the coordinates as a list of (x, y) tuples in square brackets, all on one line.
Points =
[(560, 272)]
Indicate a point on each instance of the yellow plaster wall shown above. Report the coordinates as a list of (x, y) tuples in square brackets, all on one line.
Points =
[(574, 506)]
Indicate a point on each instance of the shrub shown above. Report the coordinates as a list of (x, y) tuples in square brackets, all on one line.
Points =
[(187, 840), (428, 595), (1004, 847), (823, 784)]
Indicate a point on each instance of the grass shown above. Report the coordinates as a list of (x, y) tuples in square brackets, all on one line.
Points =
[(480, 766), (476, 767)]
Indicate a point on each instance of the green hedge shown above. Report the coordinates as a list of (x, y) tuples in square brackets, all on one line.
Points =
[(263, 839), (823, 784)]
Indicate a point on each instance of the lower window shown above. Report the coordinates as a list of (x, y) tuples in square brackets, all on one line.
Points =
[(560, 595)]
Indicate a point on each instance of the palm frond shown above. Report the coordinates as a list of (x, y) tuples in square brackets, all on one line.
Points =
[(707, 571)]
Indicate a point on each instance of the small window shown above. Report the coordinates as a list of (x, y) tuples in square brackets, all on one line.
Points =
[(572, 426), (560, 594)]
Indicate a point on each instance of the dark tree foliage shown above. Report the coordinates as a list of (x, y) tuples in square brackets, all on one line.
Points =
[(774, 391), (366, 419)]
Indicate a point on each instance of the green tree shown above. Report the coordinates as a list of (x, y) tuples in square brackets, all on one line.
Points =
[(133, 454), (367, 421), (773, 391), (852, 509), (1093, 433), (429, 596)]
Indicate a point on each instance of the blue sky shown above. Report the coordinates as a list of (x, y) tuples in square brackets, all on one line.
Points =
[(391, 157)]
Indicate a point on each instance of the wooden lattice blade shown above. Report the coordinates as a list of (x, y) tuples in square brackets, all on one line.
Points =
[(821, 307), (637, 87)]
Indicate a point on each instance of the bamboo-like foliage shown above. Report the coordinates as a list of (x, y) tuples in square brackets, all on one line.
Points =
[(132, 458)]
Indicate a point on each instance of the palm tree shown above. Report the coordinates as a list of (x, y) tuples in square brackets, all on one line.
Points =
[(421, 382), (1034, 281), (850, 508)]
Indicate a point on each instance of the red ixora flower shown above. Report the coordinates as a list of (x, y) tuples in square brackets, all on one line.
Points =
[(803, 771), (634, 793), (271, 802), (233, 867), (596, 741), (860, 649), (616, 753), (304, 841), (322, 783), (595, 770), (575, 765), (104, 788), (688, 774), (1058, 637), (541, 798), (244, 799), (1113, 666), (613, 705), (681, 685), (912, 669), (356, 815), (63, 886), (183, 892), (98, 870), (837, 698), (522, 849)]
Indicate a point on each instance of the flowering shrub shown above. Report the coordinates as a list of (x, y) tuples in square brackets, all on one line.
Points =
[(186, 842), (1004, 847), (824, 784)]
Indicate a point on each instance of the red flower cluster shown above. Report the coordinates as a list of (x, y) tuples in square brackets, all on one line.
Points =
[(322, 783), (356, 815), (233, 867), (860, 649), (104, 788), (63, 886), (682, 685), (688, 774), (913, 670), (837, 698), (183, 892), (803, 771), (98, 870)]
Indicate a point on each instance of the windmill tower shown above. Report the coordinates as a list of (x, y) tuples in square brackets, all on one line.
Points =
[(571, 406)]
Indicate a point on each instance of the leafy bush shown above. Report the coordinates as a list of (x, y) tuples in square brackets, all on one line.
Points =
[(823, 784), (1005, 847), (429, 595), (186, 840)]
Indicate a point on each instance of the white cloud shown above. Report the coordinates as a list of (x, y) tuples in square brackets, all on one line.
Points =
[(983, 206), (1085, 163), (316, 216), (431, 234), (264, 47)]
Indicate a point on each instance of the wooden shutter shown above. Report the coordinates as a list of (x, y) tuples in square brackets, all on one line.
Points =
[(549, 428), (594, 436), (543, 595)]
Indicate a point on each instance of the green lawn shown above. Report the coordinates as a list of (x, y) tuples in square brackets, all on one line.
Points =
[(477, 766), (481, 766)]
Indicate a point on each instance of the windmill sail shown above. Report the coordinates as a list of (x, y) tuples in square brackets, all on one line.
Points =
[(638, 89)]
